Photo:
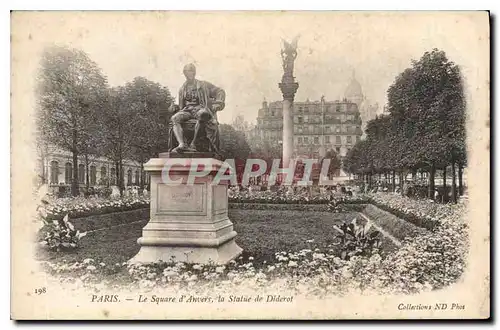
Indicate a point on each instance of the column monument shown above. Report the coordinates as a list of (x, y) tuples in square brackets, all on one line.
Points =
[(288, 88)]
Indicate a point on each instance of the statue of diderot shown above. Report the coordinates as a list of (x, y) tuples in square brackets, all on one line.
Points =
[(198, 100)]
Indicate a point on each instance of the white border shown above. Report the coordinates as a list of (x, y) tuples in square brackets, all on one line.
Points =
[(178, 5)]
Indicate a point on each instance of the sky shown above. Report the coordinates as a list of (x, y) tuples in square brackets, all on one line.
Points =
[(240, 51)]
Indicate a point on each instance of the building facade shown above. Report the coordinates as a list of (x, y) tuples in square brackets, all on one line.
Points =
[(55, 168), (318, 126)]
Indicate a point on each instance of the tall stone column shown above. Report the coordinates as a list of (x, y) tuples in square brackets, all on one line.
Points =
[(288, 89)]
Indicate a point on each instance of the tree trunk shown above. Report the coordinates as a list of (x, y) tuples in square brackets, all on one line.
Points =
[(115, 179), (432, 174), (108, 176), (45, 169), (87, 171), (120, 176), (141, 182), (74, 182), (393, 181), (460, 182), (401, 183), (453, 183), (444, 198), (141, 179)]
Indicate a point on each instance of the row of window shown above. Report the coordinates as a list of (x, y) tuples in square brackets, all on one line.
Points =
[(304, 110), (325, 129), (68, 174), (271, 124), (270, 134), (316, 139), (337, 150), (263, 124), (318, 119), (327, 107)]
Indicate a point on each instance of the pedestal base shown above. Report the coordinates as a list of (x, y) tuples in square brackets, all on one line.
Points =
[(188, 221), (219, 255)]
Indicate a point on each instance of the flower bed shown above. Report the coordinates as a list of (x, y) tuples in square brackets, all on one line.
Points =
[(421, 212), (280, 197), (78, 207), (295, 207), (279, 207)]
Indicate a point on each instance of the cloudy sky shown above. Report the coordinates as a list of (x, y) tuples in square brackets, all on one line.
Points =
[(240, 52)]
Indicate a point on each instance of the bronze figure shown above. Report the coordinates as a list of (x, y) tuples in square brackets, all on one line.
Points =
[(199, 101)]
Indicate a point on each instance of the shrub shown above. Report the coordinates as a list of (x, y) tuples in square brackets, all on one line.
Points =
[(104, 192), (60, 234), (356, 239)]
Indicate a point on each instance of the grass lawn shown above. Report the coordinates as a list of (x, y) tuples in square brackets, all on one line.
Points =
[(261, 233)]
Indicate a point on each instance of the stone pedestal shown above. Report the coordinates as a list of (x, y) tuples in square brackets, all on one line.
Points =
[(188, 221)]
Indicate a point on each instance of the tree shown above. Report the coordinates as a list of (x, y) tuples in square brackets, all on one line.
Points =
[(146, 102), (72, 91), (234, 144), (425, 128), (117, 126), (334, 162)]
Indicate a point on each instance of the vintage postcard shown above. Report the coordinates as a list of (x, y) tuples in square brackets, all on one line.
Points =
[(250, 165)]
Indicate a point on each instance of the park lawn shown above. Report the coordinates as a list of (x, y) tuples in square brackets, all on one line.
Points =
[(261, 234)]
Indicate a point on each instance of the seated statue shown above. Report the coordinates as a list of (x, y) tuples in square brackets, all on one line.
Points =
[(199, 102)]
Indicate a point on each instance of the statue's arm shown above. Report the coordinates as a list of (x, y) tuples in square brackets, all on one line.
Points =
[(218, 94), (181, 99)]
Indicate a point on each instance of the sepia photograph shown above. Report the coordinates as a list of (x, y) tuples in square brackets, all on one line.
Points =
[(250, 165)]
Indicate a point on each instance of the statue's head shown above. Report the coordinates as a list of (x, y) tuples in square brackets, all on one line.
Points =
[(189, 71)]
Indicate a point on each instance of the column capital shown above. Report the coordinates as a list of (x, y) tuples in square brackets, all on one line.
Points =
[(288, 89)]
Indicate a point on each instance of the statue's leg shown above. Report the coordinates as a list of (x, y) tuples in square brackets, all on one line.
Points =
[(177, 120), (204, 116), (197, 127)]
